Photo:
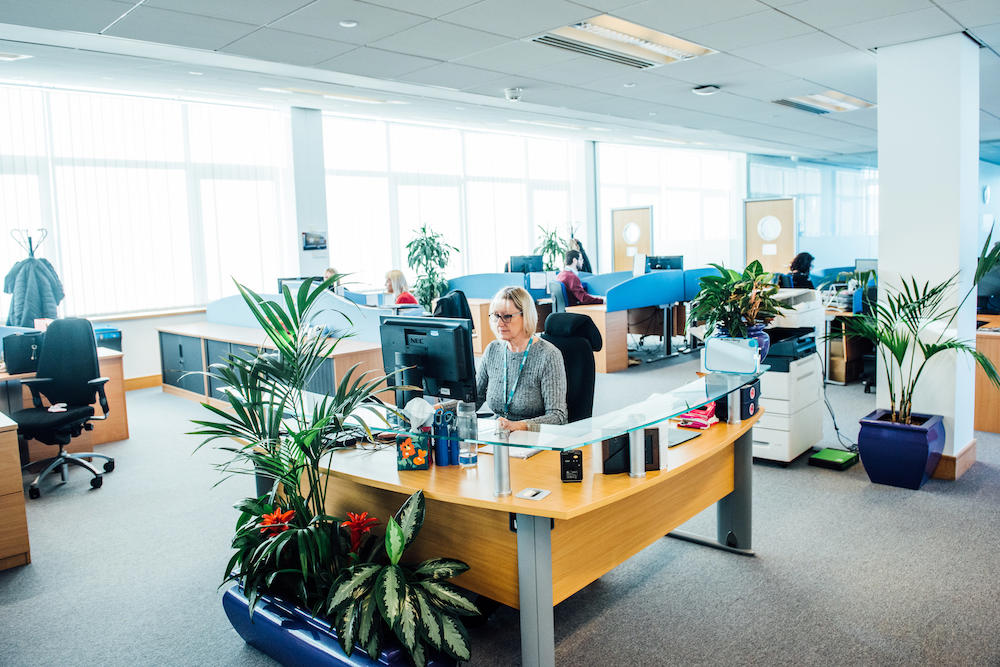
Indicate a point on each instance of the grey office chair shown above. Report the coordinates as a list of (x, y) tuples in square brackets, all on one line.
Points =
[(558, 293)]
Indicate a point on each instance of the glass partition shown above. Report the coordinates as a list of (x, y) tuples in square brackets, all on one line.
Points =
[(655, 409)]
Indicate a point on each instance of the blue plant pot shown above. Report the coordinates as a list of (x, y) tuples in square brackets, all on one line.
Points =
[(292, 636), (903, 455), (757, 332)]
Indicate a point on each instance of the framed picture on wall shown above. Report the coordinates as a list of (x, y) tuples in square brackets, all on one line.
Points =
[(313, 241)]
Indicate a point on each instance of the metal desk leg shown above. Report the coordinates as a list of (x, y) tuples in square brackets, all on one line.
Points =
[(501, 470), (668, 332), (534, 582), (735, 511)]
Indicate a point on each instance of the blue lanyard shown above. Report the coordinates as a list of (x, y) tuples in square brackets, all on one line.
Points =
[(510, 396)]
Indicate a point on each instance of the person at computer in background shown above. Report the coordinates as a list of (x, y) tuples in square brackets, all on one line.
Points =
[(330, 273), (395, 284), (574, 244), (521, 376), (799, 270), (575, 294)]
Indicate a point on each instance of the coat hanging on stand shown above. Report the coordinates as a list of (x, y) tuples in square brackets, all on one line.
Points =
[(33, 282)]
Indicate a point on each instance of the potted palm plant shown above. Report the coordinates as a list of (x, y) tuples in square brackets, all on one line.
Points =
[(293, 562), (552, 248), (909, 326), (428, 256), (737, 304)]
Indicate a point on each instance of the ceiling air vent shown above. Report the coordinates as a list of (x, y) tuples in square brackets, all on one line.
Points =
[(821, 103), (618, 41)]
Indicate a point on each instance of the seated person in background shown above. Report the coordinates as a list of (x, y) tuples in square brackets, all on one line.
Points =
[(395, 284), (330, 273), (800, 268), (521, 376), (575, 294), (574, 244)]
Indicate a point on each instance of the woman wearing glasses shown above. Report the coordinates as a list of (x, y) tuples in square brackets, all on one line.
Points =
[(521, 376)]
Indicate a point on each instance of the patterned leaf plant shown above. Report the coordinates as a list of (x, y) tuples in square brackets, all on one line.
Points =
[(736, 301), (415, 603)]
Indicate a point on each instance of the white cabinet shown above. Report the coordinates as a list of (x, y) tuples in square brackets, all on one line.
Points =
[(793, 411)]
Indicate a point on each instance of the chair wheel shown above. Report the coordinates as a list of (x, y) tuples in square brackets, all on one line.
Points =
[(97, 481), (33, 492), (109, 466)]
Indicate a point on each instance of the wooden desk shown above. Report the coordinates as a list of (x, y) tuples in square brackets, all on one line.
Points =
[(987, 396), (565, 541), (483, 334), (113, 429), (613, 326), (14, 547), (203, 336), (843, 354)]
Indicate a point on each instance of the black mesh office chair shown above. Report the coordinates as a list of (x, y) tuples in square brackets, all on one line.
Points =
[(577, 338), (453, 304), (557, 291), (67, 373)]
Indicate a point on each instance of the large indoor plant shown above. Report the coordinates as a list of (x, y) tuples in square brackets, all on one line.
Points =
[(428, 255), (552, 248), (737, 304), (287, 547), (909, 326)]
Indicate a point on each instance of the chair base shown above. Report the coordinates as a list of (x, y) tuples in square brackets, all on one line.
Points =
[(62, 461)]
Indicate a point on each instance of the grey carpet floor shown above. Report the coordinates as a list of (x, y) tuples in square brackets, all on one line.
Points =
[(846, 572)]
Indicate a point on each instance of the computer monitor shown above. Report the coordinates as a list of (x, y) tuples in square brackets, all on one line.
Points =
[(865, 265), (526, 263), (660, 262), (437, 351)]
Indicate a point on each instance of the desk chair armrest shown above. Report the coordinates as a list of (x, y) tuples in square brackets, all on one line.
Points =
[(33, 385), (99, 384)]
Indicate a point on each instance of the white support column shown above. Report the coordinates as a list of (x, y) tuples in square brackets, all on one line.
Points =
[(928, 152), (309, 177)]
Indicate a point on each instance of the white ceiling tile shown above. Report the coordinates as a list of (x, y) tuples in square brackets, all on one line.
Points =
[(768, 92), (495, 88), (863, 117), (517, 57), (178, 28), (748, 30), (323, 17), (803, 47), (605, 5), (376, 63), (581, 70), (437, 39), (79, 15), (676, 15), (646, 86), (706, 69), (898, 29), (259, 12), (518, 18), (989, 35), (851, 73), (430, 8), (287, 47), (450, 75), (974, 13), (824, 14)]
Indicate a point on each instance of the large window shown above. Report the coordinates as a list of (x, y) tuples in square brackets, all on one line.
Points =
[(836, 207), (149, 204), (696, 197), (487, 193)]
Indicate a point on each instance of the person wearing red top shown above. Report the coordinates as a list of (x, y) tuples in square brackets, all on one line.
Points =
[(395, 284), (575, 294)]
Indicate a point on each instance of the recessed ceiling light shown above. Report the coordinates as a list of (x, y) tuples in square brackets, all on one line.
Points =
[(348, 23), (660, 139), (352, 98), (598, 129), (630, 84), (710, 89), (459, 108), (11, 57), (275, 90), (396, 102), (825, 102), (196, 73), (652, 113), (542, 123)]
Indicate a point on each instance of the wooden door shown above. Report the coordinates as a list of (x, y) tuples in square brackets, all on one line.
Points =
[(770, 233)]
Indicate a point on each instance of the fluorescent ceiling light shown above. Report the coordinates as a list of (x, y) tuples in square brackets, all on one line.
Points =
[(275, 90), (352, 98), (11, 57), (196, 73), (826, 102), (660, 139), (710, 89), (542, 123), (348, 23), (617, 40)]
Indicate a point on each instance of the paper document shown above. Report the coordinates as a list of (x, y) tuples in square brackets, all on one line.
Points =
[(536, 280)]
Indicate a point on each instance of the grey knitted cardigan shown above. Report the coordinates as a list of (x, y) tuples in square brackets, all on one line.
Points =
[(540, 396)]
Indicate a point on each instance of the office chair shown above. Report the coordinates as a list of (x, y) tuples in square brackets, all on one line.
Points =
[(454, 304), (67, 373), (577, 338), (557, 291)]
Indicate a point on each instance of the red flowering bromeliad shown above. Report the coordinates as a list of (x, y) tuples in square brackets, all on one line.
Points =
[(359, 524), (276, 522)]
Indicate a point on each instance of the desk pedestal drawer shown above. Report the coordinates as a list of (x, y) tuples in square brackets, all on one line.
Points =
[(13, 531)]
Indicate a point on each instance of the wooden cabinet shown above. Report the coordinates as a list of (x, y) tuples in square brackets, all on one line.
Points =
[(14, 548), (845, 360), (987, 396)]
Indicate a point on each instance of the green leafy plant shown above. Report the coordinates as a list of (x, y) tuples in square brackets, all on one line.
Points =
[(911, 324), (736, 301), (414, 602), (428, 256), (552, 248)]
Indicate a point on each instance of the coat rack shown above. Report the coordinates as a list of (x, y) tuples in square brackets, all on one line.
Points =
[(25, 240)]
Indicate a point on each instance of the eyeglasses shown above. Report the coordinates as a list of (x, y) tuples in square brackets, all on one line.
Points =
[(496, 317)]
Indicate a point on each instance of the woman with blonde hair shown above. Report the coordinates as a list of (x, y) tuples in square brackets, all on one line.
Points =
[(395, 284), (521, 376)]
